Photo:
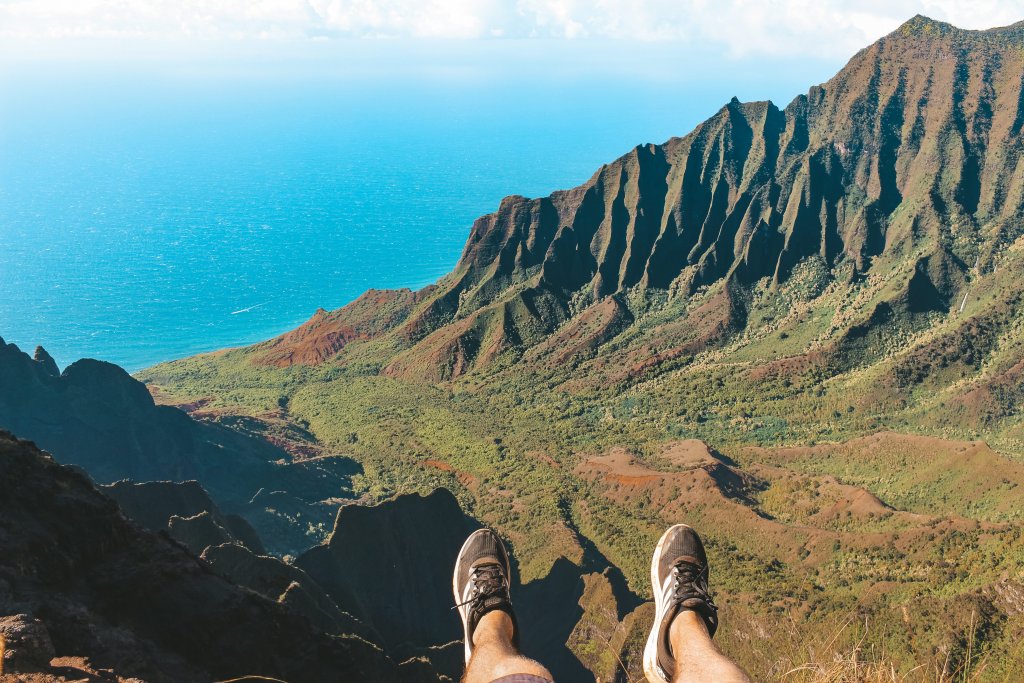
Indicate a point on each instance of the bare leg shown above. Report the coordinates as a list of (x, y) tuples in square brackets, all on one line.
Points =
[(698, 659), (494, 655)]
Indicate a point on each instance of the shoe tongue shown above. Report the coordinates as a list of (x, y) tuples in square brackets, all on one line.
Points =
[(689, 559), (484, 561)]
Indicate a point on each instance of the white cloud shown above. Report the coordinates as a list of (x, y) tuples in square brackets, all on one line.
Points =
[(743, 27)]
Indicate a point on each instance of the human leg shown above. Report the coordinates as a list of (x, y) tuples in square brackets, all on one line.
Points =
[(680, 647), (698, 659), (481, 588)]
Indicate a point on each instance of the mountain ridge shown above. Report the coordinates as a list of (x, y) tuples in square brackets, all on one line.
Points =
[(827, 292), (96, 416), (846, 173)]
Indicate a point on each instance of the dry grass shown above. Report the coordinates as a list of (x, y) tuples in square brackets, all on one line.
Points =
[(867, 664), (858, 667), (857, 650)]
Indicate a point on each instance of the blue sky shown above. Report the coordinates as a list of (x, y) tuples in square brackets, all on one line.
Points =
[(736, 29), (761, 48)]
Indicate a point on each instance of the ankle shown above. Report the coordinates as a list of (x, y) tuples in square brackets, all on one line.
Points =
[(495, 626), (686, 627)]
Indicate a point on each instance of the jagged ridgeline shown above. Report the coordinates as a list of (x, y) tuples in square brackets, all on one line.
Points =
[(905, 166), (796, 329)]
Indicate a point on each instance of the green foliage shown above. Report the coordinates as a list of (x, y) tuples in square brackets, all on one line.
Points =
[(796, 544)]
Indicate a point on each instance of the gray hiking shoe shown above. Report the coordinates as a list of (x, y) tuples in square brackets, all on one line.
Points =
[(679, 576), (481, 583)]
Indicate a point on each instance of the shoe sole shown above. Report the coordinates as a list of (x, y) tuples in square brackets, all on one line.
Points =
[(455, 589), (651, 668)]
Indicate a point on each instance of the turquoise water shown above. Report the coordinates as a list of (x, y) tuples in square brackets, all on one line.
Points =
[(144, 221)]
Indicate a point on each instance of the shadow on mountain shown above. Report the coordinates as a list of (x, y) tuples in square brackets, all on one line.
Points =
[(96, 416), (138, 603)]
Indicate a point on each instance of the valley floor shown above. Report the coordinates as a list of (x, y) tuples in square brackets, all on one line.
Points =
[(885, 556)]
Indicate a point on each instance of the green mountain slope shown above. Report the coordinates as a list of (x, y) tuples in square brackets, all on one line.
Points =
[(846, 266)]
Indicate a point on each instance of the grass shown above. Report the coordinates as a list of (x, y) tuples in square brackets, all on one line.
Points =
[(795, 559), (853, 652)]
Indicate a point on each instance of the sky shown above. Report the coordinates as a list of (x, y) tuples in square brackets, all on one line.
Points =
[(733, 29)]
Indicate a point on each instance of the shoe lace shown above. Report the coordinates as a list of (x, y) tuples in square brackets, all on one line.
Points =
[(691, 581), (487, 580)]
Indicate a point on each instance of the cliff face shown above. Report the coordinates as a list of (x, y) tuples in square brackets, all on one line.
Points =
[(139, 604), (390, 566), (904, 166), (96, 416), (915, 135)]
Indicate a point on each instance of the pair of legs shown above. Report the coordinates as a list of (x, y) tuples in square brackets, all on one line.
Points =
[(698, 659), (680, 648)]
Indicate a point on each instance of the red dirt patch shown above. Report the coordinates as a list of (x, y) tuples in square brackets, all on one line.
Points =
[(325, 334)]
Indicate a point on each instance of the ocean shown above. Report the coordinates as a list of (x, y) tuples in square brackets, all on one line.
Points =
[(147, 220)]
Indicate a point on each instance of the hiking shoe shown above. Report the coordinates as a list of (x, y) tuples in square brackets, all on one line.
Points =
[(481, 583), (679, 575)]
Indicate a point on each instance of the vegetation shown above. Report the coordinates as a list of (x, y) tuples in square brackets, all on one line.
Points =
[(793, 287), (795, 551)]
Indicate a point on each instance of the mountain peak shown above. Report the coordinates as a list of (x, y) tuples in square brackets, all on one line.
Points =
[(46, 360), (920, 25)]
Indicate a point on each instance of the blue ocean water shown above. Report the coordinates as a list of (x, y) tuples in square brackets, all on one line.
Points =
[(145, 221)]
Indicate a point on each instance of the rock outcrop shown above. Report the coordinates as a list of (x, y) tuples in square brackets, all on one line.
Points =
[(404, 547), (25, 645), (407, 547), (157, 504), (96, 416), (138, 604)]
